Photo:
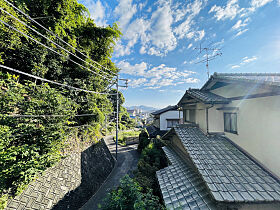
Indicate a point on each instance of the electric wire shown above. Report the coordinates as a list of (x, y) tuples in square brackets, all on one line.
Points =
[(55, 35), (53, 82), (51, 49), (53, 41)]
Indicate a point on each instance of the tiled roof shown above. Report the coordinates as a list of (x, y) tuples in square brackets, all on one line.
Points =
[(260, 78), (207, 97), (230, 175), (154, 131), (166, 109), (180, 185), (269, 78)]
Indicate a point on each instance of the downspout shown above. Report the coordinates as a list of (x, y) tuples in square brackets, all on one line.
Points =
[(207, 118)]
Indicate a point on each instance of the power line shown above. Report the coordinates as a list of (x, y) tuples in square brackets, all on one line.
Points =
[(51, 49), (38, 116), (53, 41), (56, 83), (56, 35)]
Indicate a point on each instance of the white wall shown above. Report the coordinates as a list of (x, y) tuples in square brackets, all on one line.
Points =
[(258, 124), (169, 115), (258, 127)]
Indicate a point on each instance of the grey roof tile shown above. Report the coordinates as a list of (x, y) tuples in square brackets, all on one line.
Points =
[(184, 188), (207, 97), (228, 173)]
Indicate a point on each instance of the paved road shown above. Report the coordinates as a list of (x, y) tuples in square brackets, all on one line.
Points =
[(127, 162)]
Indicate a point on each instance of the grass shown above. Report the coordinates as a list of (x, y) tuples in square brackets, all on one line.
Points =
[(124, 135)]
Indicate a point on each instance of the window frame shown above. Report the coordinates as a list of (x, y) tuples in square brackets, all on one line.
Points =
[(172, 120), (230, 130)]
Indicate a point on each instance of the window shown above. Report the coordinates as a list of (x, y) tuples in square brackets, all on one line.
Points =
[(230, 122), (172, 122)]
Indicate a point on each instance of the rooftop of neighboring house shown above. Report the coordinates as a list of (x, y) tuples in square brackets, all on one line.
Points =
[(218, 80), (269, 79), (166, 109), (217, 173), (154, 131)]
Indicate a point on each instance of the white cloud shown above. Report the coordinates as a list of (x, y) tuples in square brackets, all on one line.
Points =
[(235, 66), (241, 32), (248, 60), (240, 24), (137, 82), (229, 11), (190, 45), (244, 61), (160, 38), (125, 11), (183, 29), (97, 11), (136, 70), (258, 3), (156, 77)]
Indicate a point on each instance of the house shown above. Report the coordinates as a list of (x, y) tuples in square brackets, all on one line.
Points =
[(166, 118), (226, 153), (132, 113)]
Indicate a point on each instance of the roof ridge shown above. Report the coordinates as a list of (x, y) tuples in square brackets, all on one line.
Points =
[(246, 74)]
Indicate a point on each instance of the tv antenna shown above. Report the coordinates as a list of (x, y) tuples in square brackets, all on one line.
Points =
[(208, 57)]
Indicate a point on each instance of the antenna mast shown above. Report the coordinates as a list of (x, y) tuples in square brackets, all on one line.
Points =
[(208, 57)]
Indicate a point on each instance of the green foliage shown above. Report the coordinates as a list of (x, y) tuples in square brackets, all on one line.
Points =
[(125, 135), (144, 140), (151, 160), (29, 145), (129, 196)]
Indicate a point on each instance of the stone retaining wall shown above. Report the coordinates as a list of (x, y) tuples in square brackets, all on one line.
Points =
[(70, 183)]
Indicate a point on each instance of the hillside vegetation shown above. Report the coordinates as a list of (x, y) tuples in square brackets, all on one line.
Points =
[(36, 118)]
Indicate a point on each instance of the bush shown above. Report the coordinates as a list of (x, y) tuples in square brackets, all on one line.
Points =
[(143, 140), (151, 160), (129, 196)]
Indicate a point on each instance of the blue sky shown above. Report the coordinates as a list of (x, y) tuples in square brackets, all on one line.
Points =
[(156, 52)]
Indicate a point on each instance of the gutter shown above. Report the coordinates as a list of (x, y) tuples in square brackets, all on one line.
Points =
[(207, 119)]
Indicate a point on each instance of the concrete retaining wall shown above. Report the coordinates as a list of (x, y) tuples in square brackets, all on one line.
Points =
[(70, 183)]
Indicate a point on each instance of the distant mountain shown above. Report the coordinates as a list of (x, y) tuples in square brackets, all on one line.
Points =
[(143, 108)]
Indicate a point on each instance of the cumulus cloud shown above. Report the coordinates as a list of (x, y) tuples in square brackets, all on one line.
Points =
[(229, 11), (192, 10), (137, 82), (125, 11), (190, 45), (97, 11), (258, 3), (156, 77)]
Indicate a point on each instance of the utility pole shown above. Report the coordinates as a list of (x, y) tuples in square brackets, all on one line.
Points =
[(117, 123), (208, 58)]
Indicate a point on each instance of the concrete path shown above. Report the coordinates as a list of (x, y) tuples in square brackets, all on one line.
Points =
[(126, 163)]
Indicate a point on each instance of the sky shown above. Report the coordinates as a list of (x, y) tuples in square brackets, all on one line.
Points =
[(159, 49)]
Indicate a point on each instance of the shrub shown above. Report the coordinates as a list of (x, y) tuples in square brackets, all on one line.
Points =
[(143, 140), (151, 160), (129, 196)]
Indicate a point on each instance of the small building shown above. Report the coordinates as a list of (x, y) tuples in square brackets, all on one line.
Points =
[(168, 117), (225, 155)]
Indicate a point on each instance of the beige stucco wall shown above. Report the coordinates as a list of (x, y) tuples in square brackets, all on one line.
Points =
[(258, 126), (235, 90), (201, 116)]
